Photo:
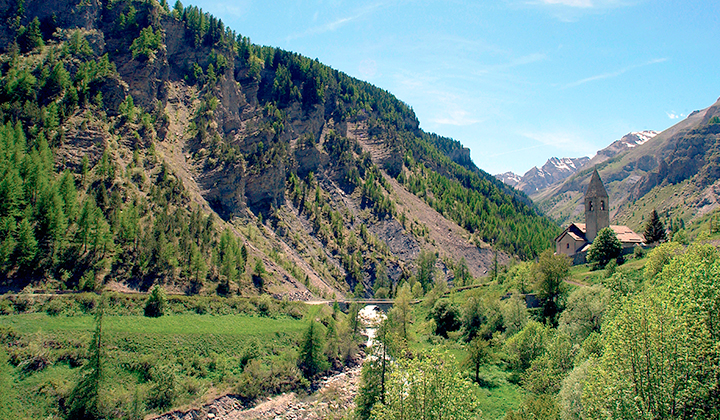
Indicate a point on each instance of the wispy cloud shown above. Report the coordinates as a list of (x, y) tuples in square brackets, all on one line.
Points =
[(515, 151), (614, 73), (572, 10), (570, 3), (456, 117), (340, 22), (584, 4), (453, 109), (512, 63), (568, 142), (674, 115)]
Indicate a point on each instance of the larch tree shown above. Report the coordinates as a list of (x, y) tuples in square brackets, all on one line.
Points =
[(654, 229)]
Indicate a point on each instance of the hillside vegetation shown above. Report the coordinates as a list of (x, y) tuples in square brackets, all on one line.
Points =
[(146, 144)]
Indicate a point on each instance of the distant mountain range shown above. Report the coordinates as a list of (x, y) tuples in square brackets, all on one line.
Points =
[(552, 172), (676, 172), (556, 170)]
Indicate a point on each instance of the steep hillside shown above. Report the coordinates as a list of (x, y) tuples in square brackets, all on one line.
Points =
[(674, 172), (145, 145)]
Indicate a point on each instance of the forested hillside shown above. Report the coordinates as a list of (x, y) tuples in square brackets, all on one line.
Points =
[(143, 143)]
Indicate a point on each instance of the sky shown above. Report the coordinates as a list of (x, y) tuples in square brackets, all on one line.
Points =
[(516, 81)]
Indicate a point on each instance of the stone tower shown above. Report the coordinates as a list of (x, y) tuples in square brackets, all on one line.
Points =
[(597, 207)]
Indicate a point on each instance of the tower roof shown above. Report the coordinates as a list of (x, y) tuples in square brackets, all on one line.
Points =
[(595, 187)]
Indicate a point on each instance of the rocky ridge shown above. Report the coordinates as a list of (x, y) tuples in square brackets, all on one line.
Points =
[(673, 172)]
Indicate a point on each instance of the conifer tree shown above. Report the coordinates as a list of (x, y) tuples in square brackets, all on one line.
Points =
[(84, 399), (27, 246), (654, 229), (312, 359)]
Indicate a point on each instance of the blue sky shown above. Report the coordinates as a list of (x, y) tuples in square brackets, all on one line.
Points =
[(516, 81)]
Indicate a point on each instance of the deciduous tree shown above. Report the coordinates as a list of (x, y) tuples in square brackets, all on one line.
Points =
[(605, 247)]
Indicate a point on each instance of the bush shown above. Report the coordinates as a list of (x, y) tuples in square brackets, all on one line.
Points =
[(156, 303), (6, 308), (54, 307), (266, 306), (446, 316), (638, 252), (87, 302), (163, 391), (258, 379)]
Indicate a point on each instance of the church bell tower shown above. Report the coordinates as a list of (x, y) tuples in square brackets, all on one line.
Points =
[(597, 207)]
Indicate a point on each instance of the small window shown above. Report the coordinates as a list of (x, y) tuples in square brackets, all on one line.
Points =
[(567, 246), (590, 206), (602, 205)]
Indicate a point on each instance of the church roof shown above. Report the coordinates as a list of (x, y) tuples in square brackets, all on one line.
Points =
[(626, 235), (595, 187)]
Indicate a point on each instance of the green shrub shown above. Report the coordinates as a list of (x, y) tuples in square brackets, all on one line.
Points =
[(200, 307), (8, 334), (266, 306), (87, 302), (6, 307), (259, 379), (156, 303), (638, 252), (163, 391), (54, 306)]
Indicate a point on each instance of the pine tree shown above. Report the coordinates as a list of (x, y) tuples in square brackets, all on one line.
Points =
[(85, 397), (654, 229), (27, 246), (312, 359)]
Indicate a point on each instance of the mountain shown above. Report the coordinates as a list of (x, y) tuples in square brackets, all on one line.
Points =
[(143, 145), (556, 170), (509, 178), (674, 172), (552, 172), (628, 141)]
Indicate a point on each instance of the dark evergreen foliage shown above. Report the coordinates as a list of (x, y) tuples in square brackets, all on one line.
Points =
[(446, 317), (654, 229)]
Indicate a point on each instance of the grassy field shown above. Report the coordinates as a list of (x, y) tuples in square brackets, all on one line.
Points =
[(584, 274), (196, 356)]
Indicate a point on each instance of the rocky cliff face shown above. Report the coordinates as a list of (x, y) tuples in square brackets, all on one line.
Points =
[(304, 165)]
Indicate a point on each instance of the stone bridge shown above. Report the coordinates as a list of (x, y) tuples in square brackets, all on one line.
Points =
[(384, 304)]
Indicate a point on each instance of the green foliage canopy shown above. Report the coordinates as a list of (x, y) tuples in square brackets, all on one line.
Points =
[(605, 247)]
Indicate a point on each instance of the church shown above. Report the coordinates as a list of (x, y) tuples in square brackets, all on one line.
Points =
[(577, 238)]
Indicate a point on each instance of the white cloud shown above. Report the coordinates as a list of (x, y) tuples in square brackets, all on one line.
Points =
[(572, 10), (338, 23), (570, 3), (570, 143), (613, 74), (674, 116), (585, 4), (456, 117)]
